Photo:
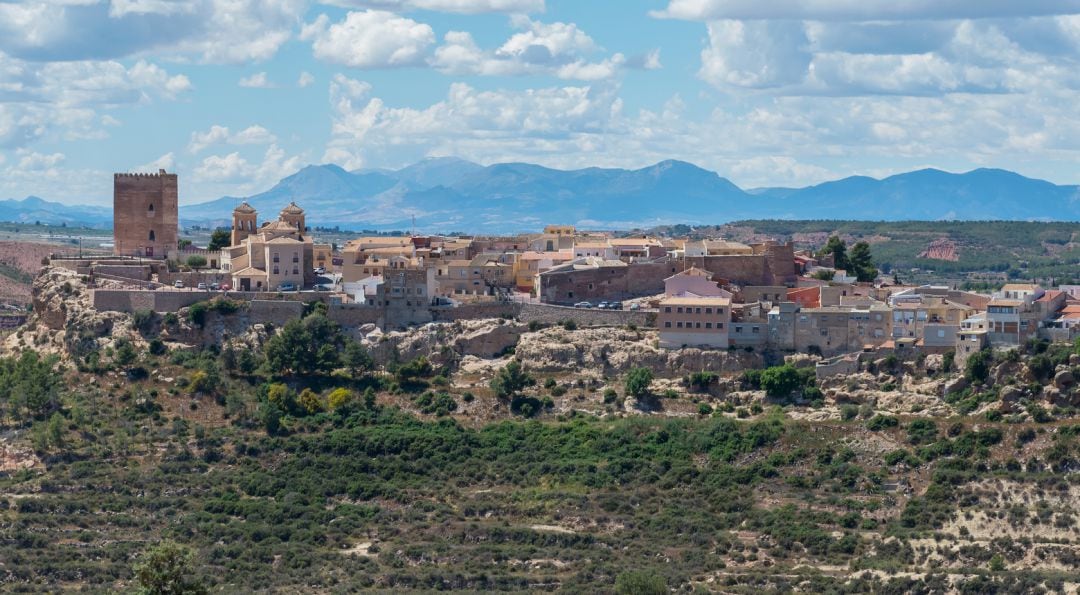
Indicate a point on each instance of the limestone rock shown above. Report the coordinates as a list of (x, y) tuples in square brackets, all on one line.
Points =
[(1064, 380), (955, 386)]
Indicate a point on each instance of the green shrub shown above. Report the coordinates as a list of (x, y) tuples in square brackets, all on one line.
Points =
[(882, 422)]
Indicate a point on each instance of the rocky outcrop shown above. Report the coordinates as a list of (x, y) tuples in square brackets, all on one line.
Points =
[(612, 351), (1064, 380), (443, 342)]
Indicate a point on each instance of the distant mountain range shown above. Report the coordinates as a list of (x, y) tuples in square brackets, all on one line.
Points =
[(36, 210), (448, 194)]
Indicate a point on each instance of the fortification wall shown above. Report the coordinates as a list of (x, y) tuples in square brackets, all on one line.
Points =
[(354, 315), (552, 314), (127, 271), (476, 311), (277, 312)]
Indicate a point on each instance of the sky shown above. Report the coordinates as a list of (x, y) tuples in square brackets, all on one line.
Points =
[(234, 95)]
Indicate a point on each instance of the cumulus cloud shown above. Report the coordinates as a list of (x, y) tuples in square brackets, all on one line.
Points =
[(216, 31), (218, 135), (33, 161), (258, 80), (370, 39), (558, 49), (37, 99), (861, 10), (306, 78), (755, 54), (239, 174), (166, 162), (459, 6)]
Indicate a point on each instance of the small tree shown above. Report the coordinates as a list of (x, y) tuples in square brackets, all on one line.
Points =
[(221, 238), (338, 398), (780, 381), (838, 249), (977, 368), (357, 359), (168, 569), (638, 381), (309, 401), (196, 261), (510, 380), (862, 263)]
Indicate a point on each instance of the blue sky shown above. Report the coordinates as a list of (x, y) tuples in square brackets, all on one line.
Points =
[(236, 94)]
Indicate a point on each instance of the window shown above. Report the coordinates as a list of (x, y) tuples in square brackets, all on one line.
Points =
[(276, 271), (295, 271), (756, 329), (151, 236), (719, 325), (679, 309), (941, 334), (708, 325), (697, 310), (678, 324), (698, 325), (296, 258), (708, 310), (667, 324), (276, 258), (667, 309), (151, 208)]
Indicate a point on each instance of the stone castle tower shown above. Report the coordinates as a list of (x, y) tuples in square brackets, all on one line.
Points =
[(244, 222), (145, 214)]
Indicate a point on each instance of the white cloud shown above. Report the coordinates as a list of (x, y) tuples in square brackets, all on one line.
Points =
[(217, 135), (33, 161), (863, 10), (558, 49), (306, 78), (166, 162), (460, 6), (216, 31), (755, 54), (232, 172), (65, 98), (258, 80), (370, 39), (223, 168), (253, 135)]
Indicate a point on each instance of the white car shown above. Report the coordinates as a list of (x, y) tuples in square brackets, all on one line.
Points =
[(202, 286), (179, 284)]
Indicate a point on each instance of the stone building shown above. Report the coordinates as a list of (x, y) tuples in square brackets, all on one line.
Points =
[(275, 254), (145, 214)]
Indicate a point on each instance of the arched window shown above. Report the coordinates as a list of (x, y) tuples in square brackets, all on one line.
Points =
[(151, 238), (251, 226), (151, 209)]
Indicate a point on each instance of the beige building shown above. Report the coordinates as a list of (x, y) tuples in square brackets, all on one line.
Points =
[(694, 321), (266, 258)]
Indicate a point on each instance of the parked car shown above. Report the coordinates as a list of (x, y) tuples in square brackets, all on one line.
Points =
[(225, 287), (286, 287), (583, 305), (324, 287), (178, 284), (202, 286), (602, 306), (635, 306), (215, 286), (615, 305), (320, 270)]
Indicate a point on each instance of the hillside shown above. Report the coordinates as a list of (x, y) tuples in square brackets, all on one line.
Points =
[(412, 471), (1018, 250)]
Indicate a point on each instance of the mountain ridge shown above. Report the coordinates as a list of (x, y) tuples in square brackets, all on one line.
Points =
[(448, 192)]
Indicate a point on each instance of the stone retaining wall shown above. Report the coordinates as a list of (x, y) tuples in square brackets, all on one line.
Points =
[(551, 314)]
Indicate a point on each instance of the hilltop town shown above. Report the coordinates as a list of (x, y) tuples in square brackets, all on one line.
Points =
[(699, 293)]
